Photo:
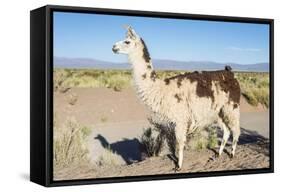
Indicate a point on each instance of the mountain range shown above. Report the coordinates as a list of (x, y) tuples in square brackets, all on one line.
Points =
[(159, 64)]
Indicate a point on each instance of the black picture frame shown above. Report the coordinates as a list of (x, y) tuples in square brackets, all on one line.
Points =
[(41, 94)]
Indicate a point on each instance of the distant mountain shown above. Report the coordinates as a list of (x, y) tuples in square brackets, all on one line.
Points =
[(63, 62), (160, 64), (209, 65)]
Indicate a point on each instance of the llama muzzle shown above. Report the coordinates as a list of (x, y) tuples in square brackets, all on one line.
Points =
[(115, 49)]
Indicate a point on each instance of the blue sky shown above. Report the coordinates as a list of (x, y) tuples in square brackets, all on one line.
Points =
[(81, 35)]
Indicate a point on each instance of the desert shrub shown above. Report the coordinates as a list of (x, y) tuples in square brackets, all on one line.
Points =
[(70, 144), (206, 138), (198, 140), (201, 144), (59, 79), (212, 138), (202, 139), (254, 87), (168, 73), (152, 144), (250, 97), (117, 82), (155, 136), (113, 79), (262, 96), (85, 131), (166, 132), (254, 96), (108, 158)]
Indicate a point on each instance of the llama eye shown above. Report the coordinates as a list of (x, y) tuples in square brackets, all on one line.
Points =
[(127, 42)]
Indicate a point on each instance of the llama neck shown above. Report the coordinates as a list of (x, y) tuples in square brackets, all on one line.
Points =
[(145, 80), (143, 72)]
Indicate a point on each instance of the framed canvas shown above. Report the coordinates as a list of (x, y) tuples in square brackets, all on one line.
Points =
[(125, 95)]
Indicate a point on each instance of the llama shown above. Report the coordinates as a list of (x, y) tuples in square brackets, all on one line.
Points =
[(190, 101)]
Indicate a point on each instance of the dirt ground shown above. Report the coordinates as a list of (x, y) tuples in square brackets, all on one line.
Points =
[(248, 156), (117, 120)]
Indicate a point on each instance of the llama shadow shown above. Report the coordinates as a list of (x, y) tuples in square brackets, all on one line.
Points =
[(128, 149), (248, 136)]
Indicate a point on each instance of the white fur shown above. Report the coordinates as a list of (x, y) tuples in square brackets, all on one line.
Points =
[(192, 112)]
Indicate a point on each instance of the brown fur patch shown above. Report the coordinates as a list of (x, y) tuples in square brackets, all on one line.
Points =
[(144, 76), (225, 79), (148, 66), (235, 106), (178, 98), (146, 55), (153, 75)]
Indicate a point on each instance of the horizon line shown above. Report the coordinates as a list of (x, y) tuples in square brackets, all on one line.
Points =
[(90, 58)]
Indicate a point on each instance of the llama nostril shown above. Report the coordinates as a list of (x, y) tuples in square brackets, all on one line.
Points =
[(114, 49)]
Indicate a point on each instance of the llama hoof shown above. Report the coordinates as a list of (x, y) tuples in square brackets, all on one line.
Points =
[(176, 169), (231, 156)]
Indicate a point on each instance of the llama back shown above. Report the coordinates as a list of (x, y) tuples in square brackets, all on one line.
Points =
[(211, 83)]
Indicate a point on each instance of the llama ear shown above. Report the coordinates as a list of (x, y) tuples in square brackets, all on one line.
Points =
[(131, 32)]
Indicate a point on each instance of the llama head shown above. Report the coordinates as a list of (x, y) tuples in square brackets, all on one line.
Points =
[(129, 45), (133, 44)]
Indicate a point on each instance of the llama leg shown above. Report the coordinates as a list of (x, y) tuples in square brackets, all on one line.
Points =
[(180, 142), (226, 134), (236, 134)]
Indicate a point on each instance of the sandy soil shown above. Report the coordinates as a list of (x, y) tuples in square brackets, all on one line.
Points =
[(117, 120), (248, 156)]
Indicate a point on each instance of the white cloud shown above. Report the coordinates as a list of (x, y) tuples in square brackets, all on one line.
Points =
[(243, 49)]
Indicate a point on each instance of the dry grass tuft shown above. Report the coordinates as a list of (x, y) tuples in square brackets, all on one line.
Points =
[(203, 139), (152, 143), (113, 79), (153, 138), (70, 144), (255, 87), (59, 79), (158, 135), (212, 138)]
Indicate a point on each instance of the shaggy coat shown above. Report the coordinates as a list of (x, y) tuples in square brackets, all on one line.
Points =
[(190, 101)]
